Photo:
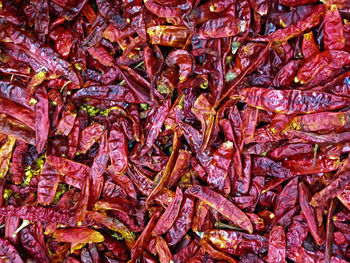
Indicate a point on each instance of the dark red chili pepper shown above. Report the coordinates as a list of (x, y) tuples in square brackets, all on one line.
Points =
[(308, 163), (235, 242), (168, 218), (43, 54), (334, 188), (333, 30), (9, 252), (277, 245), (173, 36), (292, 101), (221, 27), (316, 231), (225, 207), (47, 185), (32, 246)]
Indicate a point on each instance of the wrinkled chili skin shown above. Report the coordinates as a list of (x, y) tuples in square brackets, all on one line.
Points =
[(43, 54), (292, 102)]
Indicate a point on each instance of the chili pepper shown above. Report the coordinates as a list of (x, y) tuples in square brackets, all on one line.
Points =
[(145, 236), (322, 121), (339, 85), (333, 30), (296, 2), (291, 101), (18, 156), (43, 54), (184, 61), (187, 252), (182, 223), (154, 123), (334, 188), (329, 229), (64, 40), (111, 13), (316, 231), (235, 242), (163, 251), (309, 47), (265, 166), (208, 248), (242, 182), (277, 245), (32, 246), (286, 75), (9, 252), (82, 204), (118, 151), (322, 67), (89, 136), (290, 150), (221, 27), (5, 155), (16, 92), (114, 225), (65, 125), (308, 164), (225, 207), (217, 174), (173, 36), (39, 214), (48, 184), (322, 139), (42, 122), (78, 236), (168, 218), (69, 168), (312, 20), (287, 198)]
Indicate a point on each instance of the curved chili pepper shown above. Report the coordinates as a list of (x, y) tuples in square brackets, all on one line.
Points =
[(225, 207), (334, 188), (316, 231), (168, 218), (221, 27), (235, 242), (43, 54), (184, 60)]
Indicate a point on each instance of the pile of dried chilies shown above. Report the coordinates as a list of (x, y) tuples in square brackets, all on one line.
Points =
[(175, 131)]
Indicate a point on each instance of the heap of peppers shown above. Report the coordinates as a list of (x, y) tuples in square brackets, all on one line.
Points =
[(175, 131)]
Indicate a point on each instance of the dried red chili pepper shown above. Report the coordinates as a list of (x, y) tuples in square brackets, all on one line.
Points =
[(333, 30), (316, 231), (225, 207), (277, 245), (292, 101), (235, 242)]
